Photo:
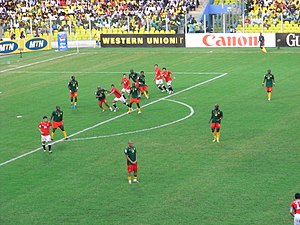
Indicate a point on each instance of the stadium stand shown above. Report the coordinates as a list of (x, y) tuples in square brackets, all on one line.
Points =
[(86, 19), (271, 16)]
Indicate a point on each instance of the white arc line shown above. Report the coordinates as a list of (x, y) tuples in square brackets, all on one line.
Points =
[(145, 129), (116, 117)]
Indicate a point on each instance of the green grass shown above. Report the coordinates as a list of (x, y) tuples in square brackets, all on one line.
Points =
[(250, 177)]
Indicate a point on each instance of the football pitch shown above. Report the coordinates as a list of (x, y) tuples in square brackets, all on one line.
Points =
[(249, 178)]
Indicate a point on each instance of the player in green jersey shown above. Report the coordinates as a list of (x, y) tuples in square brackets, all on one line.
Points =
[(135, 96), (142, 84), (57, 119), (100, 95), (215, 119), (131, 158), (133, 76), (269, 79), (73, 88)]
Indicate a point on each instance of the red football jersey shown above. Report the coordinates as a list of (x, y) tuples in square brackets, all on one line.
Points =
[(158, 75), (126, 83), (45, 127), (167, 75), (296, 205), (116, 92)]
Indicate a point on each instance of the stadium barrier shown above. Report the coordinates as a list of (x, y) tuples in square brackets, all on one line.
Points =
[(142, 40), (288, 40), (228, 40), (25, 45)]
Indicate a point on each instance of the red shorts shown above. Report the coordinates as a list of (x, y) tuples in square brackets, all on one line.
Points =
[(269, 89), (73, 94), (143, 88), (131, 168), (215, 126), (57, 124), (102, 101), (136, 100)]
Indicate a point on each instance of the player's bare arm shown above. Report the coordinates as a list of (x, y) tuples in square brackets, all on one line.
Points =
[(292, 211), (130, 159)]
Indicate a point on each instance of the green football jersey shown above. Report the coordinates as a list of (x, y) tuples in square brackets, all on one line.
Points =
[(142, 81), (131, 152), (101, 94), (270, 80), (216, 116), (133, 76), (73, 85), (57, 116), (134, 91)]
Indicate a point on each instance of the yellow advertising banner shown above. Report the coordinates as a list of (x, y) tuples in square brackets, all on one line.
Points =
[(25, 45)]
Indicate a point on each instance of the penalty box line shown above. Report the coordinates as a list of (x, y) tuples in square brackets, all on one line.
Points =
[(116, 117), (38, 62)]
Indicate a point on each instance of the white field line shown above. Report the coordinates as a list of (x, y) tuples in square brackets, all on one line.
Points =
[(145, 129), (116, 117), (103, 72), (35, 63)]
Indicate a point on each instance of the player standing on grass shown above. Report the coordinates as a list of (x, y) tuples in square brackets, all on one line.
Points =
[(44, 128), (269, 79), (135, 96), (57, 119), (159, 79), (167, 76), (132, 165), (216, 116), (73, 88), (295, 209), (126, 84), (118, 97), (100, 95), (142, 84)]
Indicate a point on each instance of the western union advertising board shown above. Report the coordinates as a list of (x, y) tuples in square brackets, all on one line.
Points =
[(25, 45), (142, 40)]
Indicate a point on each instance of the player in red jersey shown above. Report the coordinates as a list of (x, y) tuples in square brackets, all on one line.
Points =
[(44, 128), (119, 97), (167, 76), (295, 209), (159, 79), (126, 84)]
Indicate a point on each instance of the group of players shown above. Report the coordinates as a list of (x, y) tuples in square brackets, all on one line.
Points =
[(135, 90)]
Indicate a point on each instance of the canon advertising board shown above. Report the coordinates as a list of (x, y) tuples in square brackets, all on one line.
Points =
[(227, 40), (288, 40)]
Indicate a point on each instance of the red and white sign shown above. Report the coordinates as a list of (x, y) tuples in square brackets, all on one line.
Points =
[(228, 40)]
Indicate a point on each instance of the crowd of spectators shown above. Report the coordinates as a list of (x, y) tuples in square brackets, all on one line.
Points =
[(127, 15), (271, 12)]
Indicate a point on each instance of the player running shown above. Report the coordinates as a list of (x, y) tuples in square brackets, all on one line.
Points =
[(216, 116), (167, 76), (126, 84), (132, 165), (269, 79), (295, 209), (57, 119), (73, 88), (118, 97), (44, 128), (135, 96), (159, 79), (142, 84), (100, 95)]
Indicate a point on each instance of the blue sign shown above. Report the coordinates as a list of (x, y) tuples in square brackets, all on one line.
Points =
[(8, 46), (36, 44), (62, 41)]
